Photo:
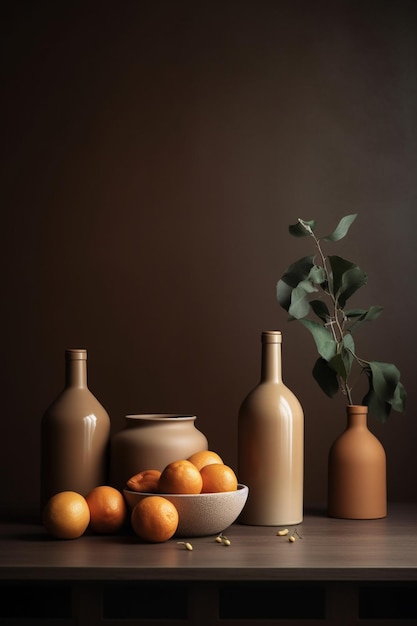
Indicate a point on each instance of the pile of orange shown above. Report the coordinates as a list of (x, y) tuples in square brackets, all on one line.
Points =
[(155, 518), (202, 472), (67, 515)]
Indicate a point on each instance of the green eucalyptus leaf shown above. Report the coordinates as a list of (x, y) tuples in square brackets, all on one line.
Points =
[(321, 310), (317, 275), (308, 286), (346, 278), (325, 343), (364, 316), (367, 315), (326, 377), (300, 305), (302, 228), (400, 397), (338, 266), (385, 378), (347, 352), (352, 280), (296, 273), (373, 313), (283, 293), (348, 343), (379, 409), (379, 406), (355, 313), (343, 359), (342, 228), (337, 364)]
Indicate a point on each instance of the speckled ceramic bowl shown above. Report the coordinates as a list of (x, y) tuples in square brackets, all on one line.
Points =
[(200, 514)]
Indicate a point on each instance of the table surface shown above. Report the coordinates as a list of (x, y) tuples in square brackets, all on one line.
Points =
[(330, 549)]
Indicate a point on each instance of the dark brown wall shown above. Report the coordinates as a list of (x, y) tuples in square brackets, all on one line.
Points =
[(154, 154)]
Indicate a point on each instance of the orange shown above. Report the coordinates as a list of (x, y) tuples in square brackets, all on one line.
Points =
[(180, 477), (66, 515), (218, 477), (108, 511), (204, 457), (146, 481), (154, 519)]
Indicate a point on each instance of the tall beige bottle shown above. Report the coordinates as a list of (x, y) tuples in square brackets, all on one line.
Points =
[(75, 434), (271, 445)]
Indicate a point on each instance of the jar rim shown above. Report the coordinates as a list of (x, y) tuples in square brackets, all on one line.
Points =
[(357, 408), (155, 417)]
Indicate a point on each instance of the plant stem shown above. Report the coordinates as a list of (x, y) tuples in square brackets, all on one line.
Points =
[(336, 325), (335, 321), (348, 394)]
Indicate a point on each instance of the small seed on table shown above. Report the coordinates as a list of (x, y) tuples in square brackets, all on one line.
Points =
[(283, 532), (223, 539)]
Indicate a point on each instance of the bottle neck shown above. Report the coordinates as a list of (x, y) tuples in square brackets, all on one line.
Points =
[(76, 368), (357, 416), (271, 369)]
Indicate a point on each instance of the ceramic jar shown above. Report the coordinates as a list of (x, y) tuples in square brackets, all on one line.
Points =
[(151, 441), (357, 486)]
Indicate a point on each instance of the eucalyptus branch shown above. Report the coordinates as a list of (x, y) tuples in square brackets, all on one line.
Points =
[(339, 279), (335, 318), (347, 391)]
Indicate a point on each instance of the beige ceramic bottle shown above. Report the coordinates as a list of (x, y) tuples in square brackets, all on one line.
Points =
[(75, 435), (271, 445)]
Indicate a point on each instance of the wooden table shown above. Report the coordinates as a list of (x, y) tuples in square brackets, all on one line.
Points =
[(339, 572)]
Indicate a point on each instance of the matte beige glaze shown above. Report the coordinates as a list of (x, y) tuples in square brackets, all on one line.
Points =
[(271, 445), (151, 442), (75, 435), (357, 471)]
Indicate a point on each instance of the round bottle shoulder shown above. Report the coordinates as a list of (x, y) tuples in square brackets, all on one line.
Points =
[(270, 395)]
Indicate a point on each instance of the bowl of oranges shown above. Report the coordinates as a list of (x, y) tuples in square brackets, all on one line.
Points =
[(193, 497)]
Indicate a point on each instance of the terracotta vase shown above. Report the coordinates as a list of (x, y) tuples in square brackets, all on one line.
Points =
[(357, 471), (271, 445), (152, 441)]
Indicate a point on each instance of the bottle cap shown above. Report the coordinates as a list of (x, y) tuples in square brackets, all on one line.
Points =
[(272, 336), (76, 354)]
